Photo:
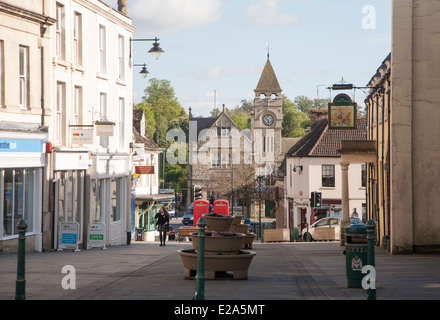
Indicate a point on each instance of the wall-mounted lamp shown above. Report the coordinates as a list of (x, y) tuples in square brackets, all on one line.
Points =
[(155, 50), (144, 72), (299, 168)]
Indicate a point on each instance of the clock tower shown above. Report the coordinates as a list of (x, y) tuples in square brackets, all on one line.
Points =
[(267, 118)]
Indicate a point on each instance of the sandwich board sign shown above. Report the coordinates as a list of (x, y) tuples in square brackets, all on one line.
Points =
[(96, 235), (69, 236)]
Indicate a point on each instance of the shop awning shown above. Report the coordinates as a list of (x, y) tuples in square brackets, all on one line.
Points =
[(154, 197)]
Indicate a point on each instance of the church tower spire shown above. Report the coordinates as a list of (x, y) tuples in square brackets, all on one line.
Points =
[(268, 115), (268, 82)]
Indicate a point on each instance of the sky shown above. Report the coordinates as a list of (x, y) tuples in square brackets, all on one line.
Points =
[(215, 50)]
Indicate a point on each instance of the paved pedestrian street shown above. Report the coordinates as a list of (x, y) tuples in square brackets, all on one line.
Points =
[(279, 271)]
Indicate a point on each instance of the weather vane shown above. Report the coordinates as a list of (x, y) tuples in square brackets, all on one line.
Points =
[(268, 49)]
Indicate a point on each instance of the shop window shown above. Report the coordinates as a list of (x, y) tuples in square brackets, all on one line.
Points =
[(96, 201), (115, 200), (17, 192)]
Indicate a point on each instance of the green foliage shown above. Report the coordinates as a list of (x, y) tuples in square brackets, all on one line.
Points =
[(293, 120), (241, 118), (163, 112), (161, 107)]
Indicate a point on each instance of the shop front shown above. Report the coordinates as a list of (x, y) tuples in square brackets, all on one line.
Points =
[(22, 161), (146, 209), (69, 181), (109, 196), (330, 208)]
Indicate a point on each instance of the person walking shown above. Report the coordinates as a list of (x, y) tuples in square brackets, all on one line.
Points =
[(163, 221)]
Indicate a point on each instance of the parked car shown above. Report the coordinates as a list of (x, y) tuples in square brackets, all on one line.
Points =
[(171, 233), (189, 215), (327, 228), (188, 218), (248, 222)]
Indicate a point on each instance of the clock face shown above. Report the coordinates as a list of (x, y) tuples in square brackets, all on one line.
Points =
[(268, 120)]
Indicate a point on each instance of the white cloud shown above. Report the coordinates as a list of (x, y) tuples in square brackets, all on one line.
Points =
[(266, 12), (170, 15)]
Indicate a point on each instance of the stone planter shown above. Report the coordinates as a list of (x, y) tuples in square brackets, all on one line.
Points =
[(276, 235), (219, 242), (217, 265), (248, 240), (217, 222), (242, 228), (236, 220)]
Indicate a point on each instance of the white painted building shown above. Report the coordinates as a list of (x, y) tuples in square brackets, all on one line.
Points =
[(23, 133), (91, 115), (313, 165)]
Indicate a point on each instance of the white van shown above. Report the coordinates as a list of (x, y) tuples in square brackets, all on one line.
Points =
[(328, 228)]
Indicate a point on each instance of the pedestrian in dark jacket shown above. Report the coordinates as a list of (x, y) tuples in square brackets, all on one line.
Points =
[(163, 221)]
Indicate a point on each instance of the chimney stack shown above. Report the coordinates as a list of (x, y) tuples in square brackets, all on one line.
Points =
[(122, 6), (316, 115)]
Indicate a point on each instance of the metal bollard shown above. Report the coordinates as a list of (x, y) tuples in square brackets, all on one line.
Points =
[(371, 293), (200, 276), (20, 283)]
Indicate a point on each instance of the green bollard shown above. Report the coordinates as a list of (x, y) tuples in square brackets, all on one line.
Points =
[(371, 293), (20, 283), (200, 276)]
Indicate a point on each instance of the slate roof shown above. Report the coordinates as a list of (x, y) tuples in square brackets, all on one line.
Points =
[(137, 137), (203, 123), (146, 140)]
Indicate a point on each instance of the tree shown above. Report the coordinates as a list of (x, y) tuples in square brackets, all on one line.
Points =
[(303, 104), (320, 103), (293, 119), (160, 103), (163, 112), (241, 118), (243, 187)]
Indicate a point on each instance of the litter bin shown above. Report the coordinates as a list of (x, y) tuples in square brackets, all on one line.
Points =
[(355, 252), (139, 235)]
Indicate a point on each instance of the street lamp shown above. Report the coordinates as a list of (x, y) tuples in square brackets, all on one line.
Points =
[(155, 50), (144, 72)]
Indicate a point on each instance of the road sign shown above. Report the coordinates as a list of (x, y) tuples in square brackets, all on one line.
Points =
[(260, 184)]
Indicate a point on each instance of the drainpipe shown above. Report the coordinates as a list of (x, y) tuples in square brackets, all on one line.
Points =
[(388, 151)]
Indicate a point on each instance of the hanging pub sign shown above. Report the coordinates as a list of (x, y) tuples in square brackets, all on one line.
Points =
[(342, 112)]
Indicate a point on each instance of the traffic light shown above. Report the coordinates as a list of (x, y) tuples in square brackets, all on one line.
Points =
[(197, 192), (312, 200), (179, 197), (318, 200)]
